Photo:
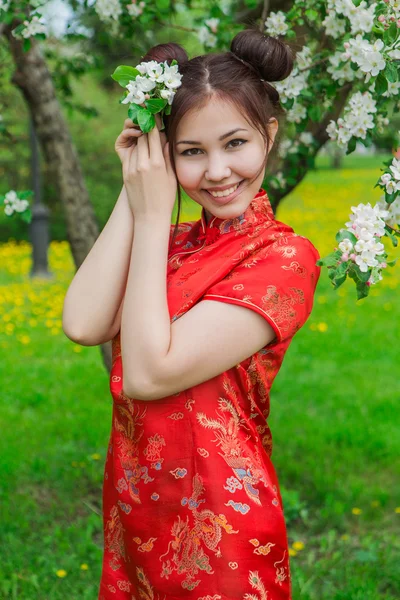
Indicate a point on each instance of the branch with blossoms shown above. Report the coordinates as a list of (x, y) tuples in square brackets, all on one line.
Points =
[(17, 204), (344, 85)]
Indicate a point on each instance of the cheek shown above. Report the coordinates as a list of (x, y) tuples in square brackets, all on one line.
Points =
[(188, 173)]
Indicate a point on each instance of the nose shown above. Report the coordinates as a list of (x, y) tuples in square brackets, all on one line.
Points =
[(217, 169)]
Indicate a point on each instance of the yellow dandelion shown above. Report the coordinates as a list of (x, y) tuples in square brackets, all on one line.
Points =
[(84, 567), (397, 510), (77, 349), (375, 503), (345, 537), (292, 552), (356, 511), (61, 573), (298, 545), (74, 463), (321, 299), (82, 464), (322, 327), (95, 456)]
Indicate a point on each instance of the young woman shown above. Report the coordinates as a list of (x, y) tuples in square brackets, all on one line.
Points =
[(207, 310)]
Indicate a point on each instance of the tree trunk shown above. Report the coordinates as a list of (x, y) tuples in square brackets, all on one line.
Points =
[(34, 80)]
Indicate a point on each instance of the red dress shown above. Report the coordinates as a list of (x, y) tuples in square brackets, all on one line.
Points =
[(191, 500)]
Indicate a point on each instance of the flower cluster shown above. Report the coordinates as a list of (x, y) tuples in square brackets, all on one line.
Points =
[(207, 32), (293, 86), (276, 24), (361, 17), (356, 121), (108, 9), (135, 9), (150, 88), (154, 75), (36, 26), (367, 224), (391, 179), (16, 203), (361, 254)]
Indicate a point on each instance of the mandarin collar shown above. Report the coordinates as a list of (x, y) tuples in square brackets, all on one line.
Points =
[(258, 211)]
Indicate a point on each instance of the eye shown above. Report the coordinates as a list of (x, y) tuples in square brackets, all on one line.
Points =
[(186, 152)]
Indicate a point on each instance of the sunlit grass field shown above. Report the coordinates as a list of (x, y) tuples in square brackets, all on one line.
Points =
[(334, 417)]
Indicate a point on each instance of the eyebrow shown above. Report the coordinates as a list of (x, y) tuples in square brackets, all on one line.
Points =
[(226, 135)]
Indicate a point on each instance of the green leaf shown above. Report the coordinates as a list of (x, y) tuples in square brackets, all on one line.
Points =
[(352, 145), (133, 111), (162, 4), (390, 34), (362, 290), (26, 44), (343, 234), (392, 237), (327, 261), (25, 194), (314, 112), (124, 74), (391, 263), (359, 275), (391, 72), (168, 109), (338, 281), (26, 216), (381, 84), (311, 14), (155, 105), (390, 198), (146, 121)]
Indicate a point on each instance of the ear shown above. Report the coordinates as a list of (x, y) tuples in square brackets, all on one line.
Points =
[(272, 128)]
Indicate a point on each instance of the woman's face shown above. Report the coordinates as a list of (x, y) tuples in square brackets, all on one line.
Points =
[(205, 161)]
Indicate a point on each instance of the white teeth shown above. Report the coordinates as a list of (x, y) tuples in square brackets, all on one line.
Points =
[(225, 192)]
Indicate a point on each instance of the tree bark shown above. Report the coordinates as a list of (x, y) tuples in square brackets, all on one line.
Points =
[(33, 78)]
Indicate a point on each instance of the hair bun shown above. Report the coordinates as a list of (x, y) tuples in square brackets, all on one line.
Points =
[(271, 57), (167, 52)]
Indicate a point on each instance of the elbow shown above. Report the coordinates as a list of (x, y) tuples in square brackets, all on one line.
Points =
[(138, 390)]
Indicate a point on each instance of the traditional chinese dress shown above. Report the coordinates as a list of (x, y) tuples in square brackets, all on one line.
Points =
[(191, 500)]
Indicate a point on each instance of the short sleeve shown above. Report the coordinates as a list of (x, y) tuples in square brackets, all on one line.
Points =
[(278, 282)]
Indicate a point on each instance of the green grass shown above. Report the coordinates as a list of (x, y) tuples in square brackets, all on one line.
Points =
[(334, 406), (334, 419)]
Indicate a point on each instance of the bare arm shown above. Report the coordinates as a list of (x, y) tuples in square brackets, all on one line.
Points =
[(97, 289)]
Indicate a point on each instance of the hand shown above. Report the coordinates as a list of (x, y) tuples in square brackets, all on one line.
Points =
[(148, 176)]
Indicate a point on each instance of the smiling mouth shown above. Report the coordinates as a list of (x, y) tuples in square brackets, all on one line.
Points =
[(223, 194)]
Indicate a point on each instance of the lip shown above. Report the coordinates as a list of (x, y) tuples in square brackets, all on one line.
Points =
[(226, 199)]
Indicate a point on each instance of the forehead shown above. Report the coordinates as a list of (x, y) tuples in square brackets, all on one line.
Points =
[(215, 118)]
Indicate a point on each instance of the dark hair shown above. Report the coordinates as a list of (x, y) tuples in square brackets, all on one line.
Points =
[(240, 76)]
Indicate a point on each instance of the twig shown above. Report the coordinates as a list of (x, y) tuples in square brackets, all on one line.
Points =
[(264, 14)]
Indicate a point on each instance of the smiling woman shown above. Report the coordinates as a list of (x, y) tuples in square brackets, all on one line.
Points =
[(190, 493)]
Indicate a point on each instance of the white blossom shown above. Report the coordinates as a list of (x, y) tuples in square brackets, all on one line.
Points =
[(12, 203), (4, 5), (281, 181), (334, 27), (297, 113), (395, 168), (306, 138), (108, 10), (212, 24), (206, 37), (276, 24), (134, 9), (346, 246)]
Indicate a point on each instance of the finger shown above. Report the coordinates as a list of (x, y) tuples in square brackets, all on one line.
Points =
[(129, 123), (128, 135), (142, 153), (155, 148)]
